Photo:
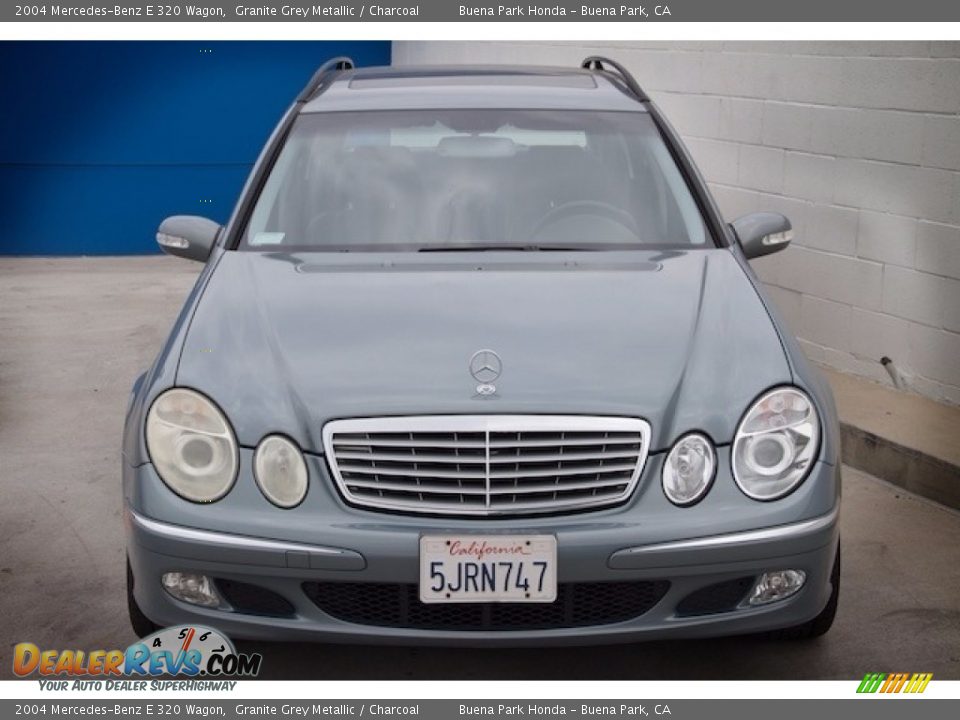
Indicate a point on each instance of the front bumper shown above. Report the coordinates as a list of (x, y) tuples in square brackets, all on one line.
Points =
[(724, 538)]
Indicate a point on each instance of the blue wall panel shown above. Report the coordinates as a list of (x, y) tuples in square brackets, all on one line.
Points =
[(99, 141)]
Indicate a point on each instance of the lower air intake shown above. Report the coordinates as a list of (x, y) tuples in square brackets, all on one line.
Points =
[(398, 605)]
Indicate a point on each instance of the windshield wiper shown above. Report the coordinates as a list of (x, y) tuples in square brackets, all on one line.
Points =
[(505, 246)]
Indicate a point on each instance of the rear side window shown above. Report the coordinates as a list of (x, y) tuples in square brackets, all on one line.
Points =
[(437, 179)]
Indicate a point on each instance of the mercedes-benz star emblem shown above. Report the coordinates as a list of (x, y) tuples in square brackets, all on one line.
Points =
[(485, 366)]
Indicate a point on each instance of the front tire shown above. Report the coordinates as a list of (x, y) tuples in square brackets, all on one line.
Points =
[(141, 624), (822, 622)]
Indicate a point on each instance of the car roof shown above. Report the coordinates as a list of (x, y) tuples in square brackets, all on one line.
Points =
[(473, 86)]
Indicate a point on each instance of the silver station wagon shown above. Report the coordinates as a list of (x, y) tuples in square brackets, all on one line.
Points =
[(476, 361)]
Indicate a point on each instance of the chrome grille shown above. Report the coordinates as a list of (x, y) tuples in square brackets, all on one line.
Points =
[(486, 464)]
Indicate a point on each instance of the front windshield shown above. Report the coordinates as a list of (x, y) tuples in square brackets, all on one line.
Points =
[(474, 179)]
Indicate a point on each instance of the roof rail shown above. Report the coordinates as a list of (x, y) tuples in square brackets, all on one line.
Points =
[(597, 62), (329, 68)]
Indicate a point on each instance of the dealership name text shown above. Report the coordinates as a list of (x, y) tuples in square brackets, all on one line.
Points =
[(614, 11), (623, 710)]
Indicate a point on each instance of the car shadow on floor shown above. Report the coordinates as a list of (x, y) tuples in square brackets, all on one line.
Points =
[(743, 658)]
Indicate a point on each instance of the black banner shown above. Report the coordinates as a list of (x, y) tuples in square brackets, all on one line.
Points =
[(734, 709), (472, 11)]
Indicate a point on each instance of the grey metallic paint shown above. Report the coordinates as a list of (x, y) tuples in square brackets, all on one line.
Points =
[(305, 347), (684, 339)]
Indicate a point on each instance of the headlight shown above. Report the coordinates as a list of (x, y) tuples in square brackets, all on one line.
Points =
[(689, 469), (191, 445), (280, 471), (776, 444)]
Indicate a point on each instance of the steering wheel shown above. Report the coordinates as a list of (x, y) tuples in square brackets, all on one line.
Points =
[(586, 207)]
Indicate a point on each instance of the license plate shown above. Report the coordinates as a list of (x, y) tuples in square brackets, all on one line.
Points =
[(488, 568)]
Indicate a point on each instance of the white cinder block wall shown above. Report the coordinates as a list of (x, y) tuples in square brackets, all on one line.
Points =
[(857, 143)]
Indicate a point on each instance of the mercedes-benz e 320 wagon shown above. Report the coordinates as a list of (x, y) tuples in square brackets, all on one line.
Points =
[(476, 360)]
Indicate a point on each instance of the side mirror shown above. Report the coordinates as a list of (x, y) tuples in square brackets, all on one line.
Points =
[(188, 236), (762, 233)]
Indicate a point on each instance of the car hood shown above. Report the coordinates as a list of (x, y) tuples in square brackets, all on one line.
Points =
[(284, 342)]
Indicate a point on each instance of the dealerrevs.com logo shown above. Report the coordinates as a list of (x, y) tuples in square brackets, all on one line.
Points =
[(894, 682), (184, 650)]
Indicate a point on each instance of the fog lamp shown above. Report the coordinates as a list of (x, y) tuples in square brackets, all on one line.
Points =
[(774, 586), (191, 588)]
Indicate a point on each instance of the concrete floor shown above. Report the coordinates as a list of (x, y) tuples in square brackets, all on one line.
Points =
[(74, 334)]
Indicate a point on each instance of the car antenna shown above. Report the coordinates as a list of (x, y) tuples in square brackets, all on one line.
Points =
[(597, 63)]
